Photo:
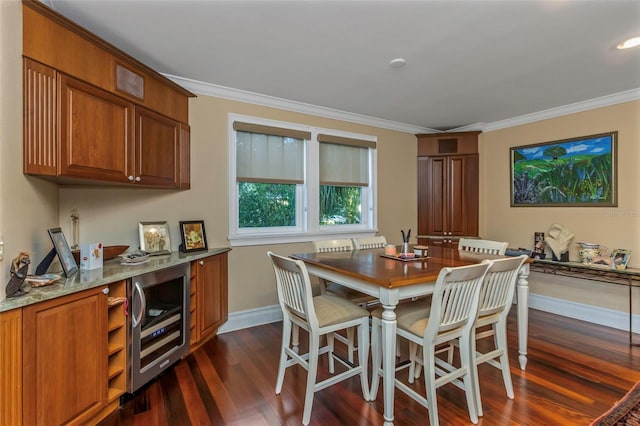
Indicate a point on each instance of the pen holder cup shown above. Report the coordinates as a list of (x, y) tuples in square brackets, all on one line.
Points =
[(405, 248)]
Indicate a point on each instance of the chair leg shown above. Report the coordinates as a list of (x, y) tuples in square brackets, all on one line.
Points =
[(331, 343), (428, 358), (363, 356), (414, 371), (312, 371), (295, 339), (376, 357), (474, 375), (350, 343), (282, 366), (501, 343), (469, 383)]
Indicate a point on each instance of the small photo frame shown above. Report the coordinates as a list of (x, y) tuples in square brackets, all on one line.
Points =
[(61, 247), (620, 258), (193, 236), (154, 237)]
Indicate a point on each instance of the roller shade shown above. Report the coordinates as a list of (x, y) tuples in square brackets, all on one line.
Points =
[(344, 161), (268, 157)]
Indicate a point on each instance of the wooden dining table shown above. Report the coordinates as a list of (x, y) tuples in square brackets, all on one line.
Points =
[(391, 279)]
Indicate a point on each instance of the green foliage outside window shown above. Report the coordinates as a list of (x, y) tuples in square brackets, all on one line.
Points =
[(340, 205), (263, 205)]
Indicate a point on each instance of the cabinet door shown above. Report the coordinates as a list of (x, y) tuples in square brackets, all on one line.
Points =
[(185, 156), (157, 149), (462, 208), (212, 309), (96, 133), (40, 94), (65, 358), (448, 195), (432, 195)]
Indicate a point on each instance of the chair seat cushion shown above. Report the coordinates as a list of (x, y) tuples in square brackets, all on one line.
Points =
[(332, 309), (411, 316)]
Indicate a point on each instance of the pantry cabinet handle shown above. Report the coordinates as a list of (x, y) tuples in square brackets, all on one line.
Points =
[(137, 178), (130, 178), (201, 263)]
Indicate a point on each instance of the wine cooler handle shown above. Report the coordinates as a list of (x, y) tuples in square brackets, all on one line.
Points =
[(143, 304)]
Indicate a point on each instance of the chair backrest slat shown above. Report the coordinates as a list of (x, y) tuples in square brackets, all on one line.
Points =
[(474, 245), (323, 246), (293, 287), (455, 300), (499, 285), (369, 243)]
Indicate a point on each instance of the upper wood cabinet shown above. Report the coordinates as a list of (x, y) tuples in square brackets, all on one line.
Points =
[(448, 186), (99, 116)]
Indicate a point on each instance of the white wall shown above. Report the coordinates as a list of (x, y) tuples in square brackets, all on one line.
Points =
[(28, 206)]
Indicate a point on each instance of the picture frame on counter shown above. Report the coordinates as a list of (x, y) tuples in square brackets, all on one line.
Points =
[(193, 235), (154, 237), (61, 248), (620, 258)]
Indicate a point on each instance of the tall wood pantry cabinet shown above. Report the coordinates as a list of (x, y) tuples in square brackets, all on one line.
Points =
[(447, 187)]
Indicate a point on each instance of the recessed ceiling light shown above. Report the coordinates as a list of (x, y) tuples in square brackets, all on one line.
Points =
[(397, 63), (628, 44)]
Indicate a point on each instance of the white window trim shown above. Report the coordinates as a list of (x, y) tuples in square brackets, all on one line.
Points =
[(309, 228)]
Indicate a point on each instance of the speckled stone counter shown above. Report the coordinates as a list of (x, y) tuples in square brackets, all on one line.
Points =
[(111, 271)]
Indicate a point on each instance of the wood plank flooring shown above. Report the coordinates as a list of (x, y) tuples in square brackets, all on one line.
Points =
[(576, 371)]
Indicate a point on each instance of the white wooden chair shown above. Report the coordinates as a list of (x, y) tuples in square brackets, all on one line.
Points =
[(369, 243), (479, 246), (449, 317), (495, 302), (322, 315), (354, 296)]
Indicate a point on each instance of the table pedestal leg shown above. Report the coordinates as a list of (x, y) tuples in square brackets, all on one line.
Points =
[(389, 325), (523, 314)]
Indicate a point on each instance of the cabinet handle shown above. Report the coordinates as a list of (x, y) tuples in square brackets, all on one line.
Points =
[(137, 178), (130, 178), (105, 290), (137, 288), (201, 263)]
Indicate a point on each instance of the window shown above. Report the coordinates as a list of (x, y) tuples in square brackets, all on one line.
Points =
[(291, 182)]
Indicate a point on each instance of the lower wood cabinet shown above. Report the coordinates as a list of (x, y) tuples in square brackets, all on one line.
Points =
[(65, 359), (209, 286)]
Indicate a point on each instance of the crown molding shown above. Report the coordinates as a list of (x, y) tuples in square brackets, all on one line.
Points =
[(209, 89), (603, 101)]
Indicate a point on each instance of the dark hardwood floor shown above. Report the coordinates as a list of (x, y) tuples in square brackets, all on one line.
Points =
[(576, 371)]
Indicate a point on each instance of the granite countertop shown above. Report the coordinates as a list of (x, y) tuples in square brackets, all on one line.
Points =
[(111, 271)]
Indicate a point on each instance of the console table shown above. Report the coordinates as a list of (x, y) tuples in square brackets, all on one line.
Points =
[(629, 277)]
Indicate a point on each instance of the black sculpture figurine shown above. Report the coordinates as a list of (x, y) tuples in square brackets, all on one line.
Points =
[(19, 270)]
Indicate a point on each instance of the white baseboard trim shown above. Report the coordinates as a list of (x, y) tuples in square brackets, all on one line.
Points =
[(251, 318), (583, 312), (602, 316)]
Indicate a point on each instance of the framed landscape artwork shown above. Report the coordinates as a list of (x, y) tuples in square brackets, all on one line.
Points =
[(578, 172)]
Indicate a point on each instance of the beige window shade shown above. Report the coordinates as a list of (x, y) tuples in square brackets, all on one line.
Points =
[(343, 165), (339, 140), (270, 130), (269, 158)]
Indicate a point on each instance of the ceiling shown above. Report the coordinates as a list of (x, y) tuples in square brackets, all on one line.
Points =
[(468, 63)]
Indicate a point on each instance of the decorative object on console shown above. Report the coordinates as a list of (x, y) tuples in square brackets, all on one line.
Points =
[(593, 253), (193, 236), (620, 258), (558, 240), (154, 237), (577, 172), (19, 269)]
